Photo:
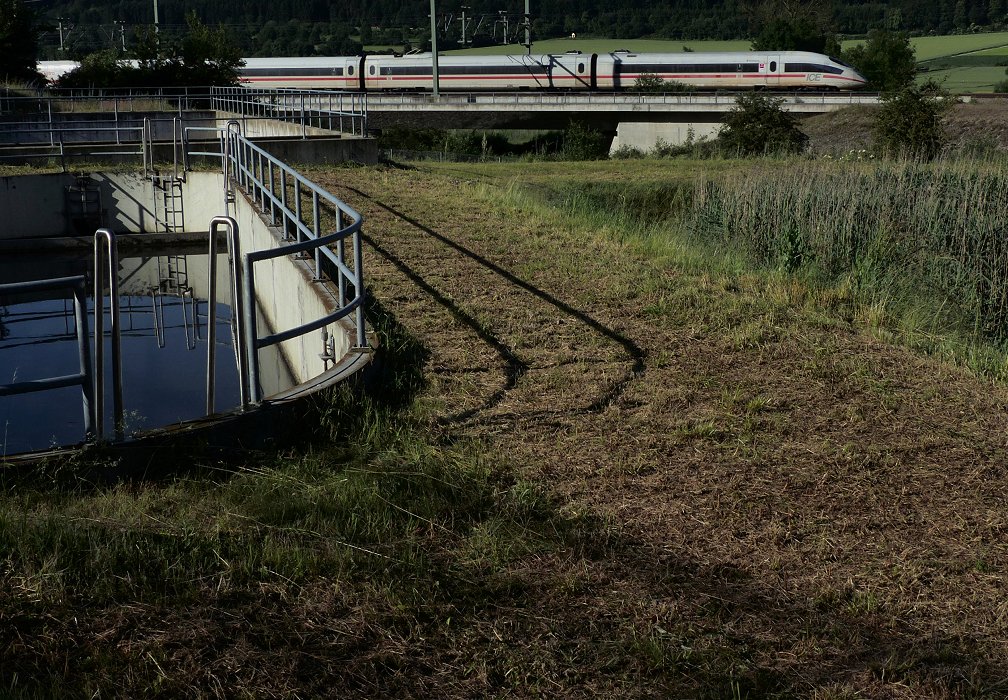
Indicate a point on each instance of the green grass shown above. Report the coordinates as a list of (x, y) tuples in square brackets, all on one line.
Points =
[(929, 47), (967, 80), (940, 290), (702, 534)]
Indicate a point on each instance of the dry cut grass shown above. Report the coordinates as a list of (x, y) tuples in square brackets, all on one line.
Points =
[(623, 462)]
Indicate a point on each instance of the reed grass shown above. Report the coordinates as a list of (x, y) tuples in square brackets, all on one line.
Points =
[(922, 243)]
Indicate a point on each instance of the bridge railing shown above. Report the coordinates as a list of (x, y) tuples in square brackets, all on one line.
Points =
[(574, 99), (333, 110)]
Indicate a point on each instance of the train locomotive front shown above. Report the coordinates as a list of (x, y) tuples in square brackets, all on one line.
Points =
[(785, 70)]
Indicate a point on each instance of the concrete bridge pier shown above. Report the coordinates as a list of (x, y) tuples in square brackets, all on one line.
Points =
[(644, 136)]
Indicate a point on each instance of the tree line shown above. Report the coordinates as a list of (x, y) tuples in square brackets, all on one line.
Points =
[(320, 27)]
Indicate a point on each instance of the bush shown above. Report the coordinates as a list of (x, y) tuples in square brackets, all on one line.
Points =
[(651, 83), (208, 57), (581, 142), (910, 122), (886, 60), (759, 126)]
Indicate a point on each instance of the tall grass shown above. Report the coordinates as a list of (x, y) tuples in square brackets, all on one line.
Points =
[(923, 241)]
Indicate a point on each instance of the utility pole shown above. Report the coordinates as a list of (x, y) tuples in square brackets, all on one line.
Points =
[(528, 28), (464, 24), (433, 41), (502, 19), (122, 33), (62, 47), (156, 28)]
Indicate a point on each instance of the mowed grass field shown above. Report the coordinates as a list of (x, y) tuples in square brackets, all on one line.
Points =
[(648, 429), (963, 63)]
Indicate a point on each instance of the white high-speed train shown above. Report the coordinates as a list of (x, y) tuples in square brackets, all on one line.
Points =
[(619, 70)]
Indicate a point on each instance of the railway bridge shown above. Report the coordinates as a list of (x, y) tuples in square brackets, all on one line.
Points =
[(636, 120)]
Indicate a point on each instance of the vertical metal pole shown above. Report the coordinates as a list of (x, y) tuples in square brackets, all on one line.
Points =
[(238, 304), (359, 288), (211, 374), (341, 253), (113, 281), (272, 190), (84, 354), (317, 229), (297, 209), (251, 337), (283, 202), (434, 56), (99, 353)]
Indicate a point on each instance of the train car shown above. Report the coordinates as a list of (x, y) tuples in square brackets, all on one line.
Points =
[(619, 70), (786, 70), (329, 73), (475, 73), (54, 70)]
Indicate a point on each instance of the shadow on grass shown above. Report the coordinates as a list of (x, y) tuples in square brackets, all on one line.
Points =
[(515, 366)]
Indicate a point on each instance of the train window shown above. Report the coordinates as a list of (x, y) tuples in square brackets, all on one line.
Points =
[(371, 70), (349, 70), (773, 66), (811, 68), (580, 68)]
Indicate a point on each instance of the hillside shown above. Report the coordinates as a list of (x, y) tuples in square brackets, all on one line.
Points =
[(978, 126)]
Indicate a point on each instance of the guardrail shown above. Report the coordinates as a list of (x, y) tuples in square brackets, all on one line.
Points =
[(295, 204), (323, 109), (545, 100)]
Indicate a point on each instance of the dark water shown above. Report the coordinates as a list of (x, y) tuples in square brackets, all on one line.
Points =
[(164, 345)]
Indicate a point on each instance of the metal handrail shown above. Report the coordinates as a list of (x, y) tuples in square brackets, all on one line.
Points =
[(237, 312), (104, 234), (84, 378), (328, 108), (254, 169)]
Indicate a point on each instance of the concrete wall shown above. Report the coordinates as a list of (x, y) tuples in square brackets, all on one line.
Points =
[(35, 206), (287, 294), (644, 136)]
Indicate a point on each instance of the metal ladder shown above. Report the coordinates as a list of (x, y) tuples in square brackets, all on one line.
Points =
[(168, 205), (84, 206)]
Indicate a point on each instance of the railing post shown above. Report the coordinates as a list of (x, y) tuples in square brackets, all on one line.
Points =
[(237, 312), (251, 334), (84, 357), (341, 255), (99, 297), (359, 287), (317, 230)]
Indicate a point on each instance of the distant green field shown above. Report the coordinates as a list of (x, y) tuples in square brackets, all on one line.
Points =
[(929, 47), (998, 51)]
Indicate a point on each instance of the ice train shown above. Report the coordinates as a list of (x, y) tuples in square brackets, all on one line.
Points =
[(619, 70)]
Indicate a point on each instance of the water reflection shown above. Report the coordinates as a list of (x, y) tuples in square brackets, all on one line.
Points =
[(163, 317)]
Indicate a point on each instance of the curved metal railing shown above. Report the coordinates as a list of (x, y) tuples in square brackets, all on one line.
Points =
[(282, 193)]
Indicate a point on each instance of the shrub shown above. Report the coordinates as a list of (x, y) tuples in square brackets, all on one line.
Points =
[(909, 123), (581, 142), (651, 83), (759, 126), (886, 60)]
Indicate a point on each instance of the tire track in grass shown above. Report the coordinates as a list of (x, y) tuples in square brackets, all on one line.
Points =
[(515, 367)]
